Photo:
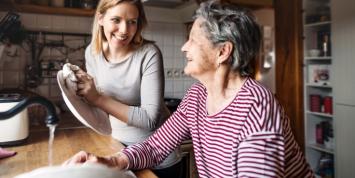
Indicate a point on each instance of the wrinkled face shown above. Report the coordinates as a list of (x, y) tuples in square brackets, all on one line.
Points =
[(120, 24), (199, 51)]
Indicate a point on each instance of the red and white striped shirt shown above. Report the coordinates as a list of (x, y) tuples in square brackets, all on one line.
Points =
[(251, 137)]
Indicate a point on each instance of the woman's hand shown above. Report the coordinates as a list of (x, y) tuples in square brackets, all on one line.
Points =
[(86, 87), (118, 161)]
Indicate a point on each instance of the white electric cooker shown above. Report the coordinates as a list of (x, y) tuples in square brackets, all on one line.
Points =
[(15, 130)]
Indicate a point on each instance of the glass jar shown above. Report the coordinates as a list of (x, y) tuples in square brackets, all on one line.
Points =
[(87, 4)]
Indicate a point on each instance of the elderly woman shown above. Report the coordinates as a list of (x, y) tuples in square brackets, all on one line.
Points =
[(237, 127)]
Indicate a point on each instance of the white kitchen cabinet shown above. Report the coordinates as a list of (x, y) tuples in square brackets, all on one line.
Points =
[(343, 31), (345, 144), (318, 86)]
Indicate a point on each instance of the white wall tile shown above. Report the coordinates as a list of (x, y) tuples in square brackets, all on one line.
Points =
[(45, 81), (169, 88), (179, 40), (29, 20), (168, 39), (55, 91), (85, 24), (43, 90), (58, 23), (1, 78), (72, 24), (168, 63), (178, 86), (179, 63), (11, 78), (12, 63), (44, 22), (168, 51)]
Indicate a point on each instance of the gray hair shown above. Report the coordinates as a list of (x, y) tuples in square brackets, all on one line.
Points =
[(227, 22)]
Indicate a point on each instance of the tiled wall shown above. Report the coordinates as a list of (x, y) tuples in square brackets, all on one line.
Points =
[(169, 36)]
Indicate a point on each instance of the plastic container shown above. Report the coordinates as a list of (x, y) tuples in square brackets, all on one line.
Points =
[(314, 52), (57, 3)]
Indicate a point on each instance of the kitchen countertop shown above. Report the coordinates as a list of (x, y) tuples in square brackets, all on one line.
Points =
[(67, 142)]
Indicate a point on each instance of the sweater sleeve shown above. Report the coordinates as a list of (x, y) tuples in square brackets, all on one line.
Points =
[(262, 152), (89, 61), (150, 112), (261, 155), (158, 146)]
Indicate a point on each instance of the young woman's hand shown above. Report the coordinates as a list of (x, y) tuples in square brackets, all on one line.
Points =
[(119, 160), (86, 87)]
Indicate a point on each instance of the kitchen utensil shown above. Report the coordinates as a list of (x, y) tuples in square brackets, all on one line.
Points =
[(90, 116)]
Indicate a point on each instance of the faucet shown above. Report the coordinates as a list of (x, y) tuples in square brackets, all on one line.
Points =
[(52, 118)]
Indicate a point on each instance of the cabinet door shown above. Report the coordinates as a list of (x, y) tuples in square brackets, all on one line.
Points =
[(345, 141), (343, 47)]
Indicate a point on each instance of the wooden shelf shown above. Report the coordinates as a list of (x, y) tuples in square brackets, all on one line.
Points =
[(319, 58), (319, 86), (316, 24), (320, 114), (321, 148), (29, 8)]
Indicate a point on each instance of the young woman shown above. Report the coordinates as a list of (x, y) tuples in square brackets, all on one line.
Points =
[(125, 76)]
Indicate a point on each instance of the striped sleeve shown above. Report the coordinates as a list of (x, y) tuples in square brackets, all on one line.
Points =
[(261, 155), (262, 151), (159, 145)]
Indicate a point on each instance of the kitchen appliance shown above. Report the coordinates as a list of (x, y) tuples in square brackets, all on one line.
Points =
[(14, 124), (13, 131)]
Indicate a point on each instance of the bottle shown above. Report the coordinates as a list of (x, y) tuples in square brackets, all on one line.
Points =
[(319, 134), (326, 45), (57, 3), (87, 4)]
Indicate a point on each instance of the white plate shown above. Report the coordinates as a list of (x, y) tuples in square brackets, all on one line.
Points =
[(90, 116), (77, 171)]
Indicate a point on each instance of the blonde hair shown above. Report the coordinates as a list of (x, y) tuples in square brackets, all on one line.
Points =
[(98, 36)]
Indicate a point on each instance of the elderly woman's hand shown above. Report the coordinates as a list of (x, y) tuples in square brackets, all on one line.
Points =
[(86, 87), (119, 160)]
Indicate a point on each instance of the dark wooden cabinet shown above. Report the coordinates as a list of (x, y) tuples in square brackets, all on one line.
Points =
[(38, 9)]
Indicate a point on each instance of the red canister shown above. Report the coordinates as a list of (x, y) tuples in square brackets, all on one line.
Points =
[(315, 103), (328, 104)]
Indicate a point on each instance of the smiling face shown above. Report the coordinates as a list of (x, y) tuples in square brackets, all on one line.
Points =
[(120, 25), (200, 53)]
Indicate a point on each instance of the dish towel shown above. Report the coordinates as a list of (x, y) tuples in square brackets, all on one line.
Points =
[(5, 153), (69, 77)]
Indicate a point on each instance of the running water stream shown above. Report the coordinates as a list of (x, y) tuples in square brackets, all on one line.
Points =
[(50, 144)]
